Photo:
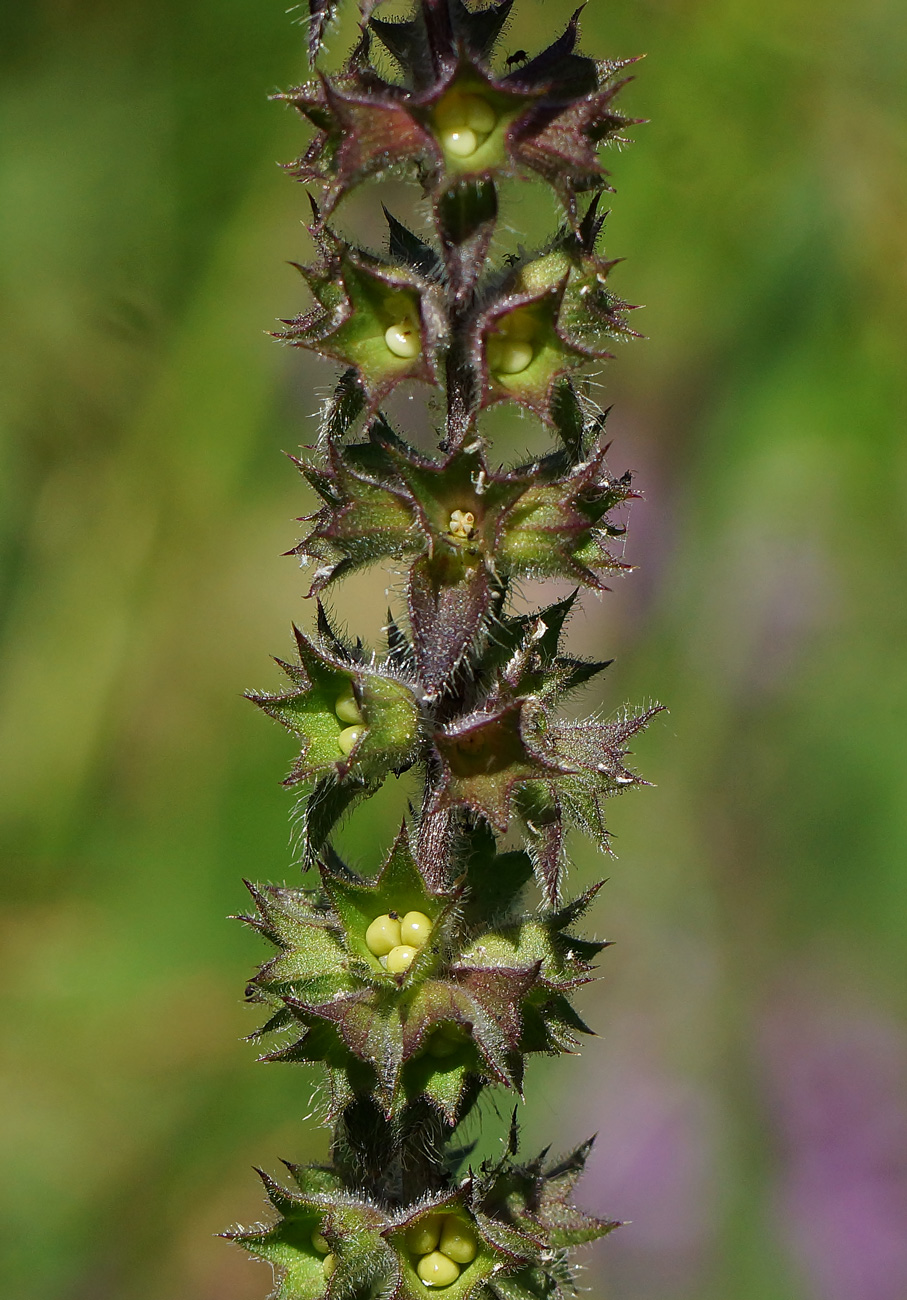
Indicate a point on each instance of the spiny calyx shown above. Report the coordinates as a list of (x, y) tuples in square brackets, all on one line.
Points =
[(381, 499), (463, 1004), (453, 115), (356, 719), (499, 1234), (548, 314), (381, 316)]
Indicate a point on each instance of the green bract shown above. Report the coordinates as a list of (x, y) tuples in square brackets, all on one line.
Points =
[(318, 1204), (389, 734), (550, 316), (378, 316), (518, 757)]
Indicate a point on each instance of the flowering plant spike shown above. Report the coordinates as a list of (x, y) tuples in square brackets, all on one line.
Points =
[(421, 989)]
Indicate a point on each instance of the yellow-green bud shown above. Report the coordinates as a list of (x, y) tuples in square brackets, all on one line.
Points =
[(400, 958), (462, 143), (415, 929), (437, 1270), (423, 1237), (320, 1243), (348, 737), (458, 1242), (329, 1264), (383, 935), (346, 708), (510, 358), (510, 348), (462, 523), (464, 122), (403, 340)]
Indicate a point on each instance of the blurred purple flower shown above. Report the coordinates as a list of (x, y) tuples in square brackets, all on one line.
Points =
[(837, 1081), (654, 1165)]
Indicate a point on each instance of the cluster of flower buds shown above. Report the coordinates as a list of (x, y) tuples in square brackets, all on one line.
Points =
[(442, 1244), (503, 1234), (410, 996), (395, 939), (466, 529), (422, 987)]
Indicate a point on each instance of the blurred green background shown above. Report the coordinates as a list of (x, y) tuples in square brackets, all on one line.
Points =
[(749, 1081)]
